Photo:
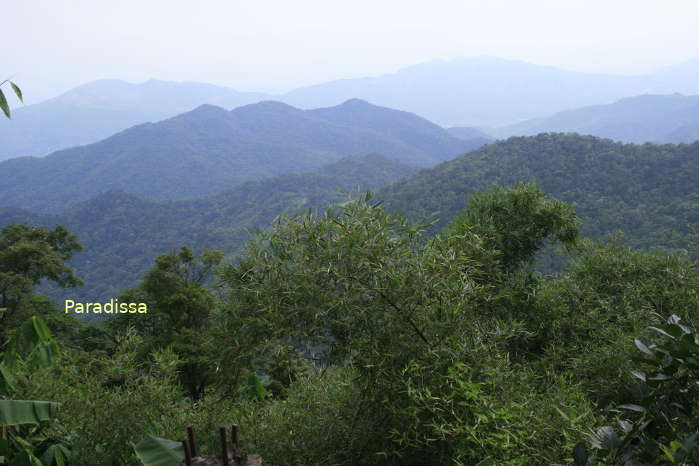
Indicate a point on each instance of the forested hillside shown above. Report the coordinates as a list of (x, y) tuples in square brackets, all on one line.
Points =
[(647, 191), (646, 118), (651, 192), (123, 234), (210, 149), (101, 108)]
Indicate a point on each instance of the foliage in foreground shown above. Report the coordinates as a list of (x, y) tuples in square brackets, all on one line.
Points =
[(351, 338)]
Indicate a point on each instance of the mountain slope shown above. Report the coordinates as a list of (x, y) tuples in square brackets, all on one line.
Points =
[(122, 233), (468, 133), (210, 149), (638, 119), (99, 109), (683, 134), (651, 192)]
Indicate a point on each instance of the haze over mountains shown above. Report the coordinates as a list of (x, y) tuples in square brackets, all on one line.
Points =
[(99, 109), (210, 149), (489, 91), (646, 118), (475, 91)]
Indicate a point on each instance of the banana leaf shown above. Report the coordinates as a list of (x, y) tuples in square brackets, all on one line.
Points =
[(155, 451), (17, 412)]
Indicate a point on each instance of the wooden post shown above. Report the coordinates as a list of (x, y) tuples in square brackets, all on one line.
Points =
[(192, 444), (224, 446), (234, 435), (187, 453)]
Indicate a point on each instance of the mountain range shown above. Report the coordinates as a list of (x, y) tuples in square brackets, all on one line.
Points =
[(469, 91), (210, 149), (646, 118), (101, 108), (489, 91)]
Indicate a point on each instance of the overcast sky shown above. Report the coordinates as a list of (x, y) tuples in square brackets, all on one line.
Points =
[(50, 46)]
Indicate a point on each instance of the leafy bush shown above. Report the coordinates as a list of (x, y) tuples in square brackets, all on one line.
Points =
[(663, 427)]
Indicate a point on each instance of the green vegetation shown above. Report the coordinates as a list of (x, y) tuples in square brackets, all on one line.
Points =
[(4, 105), (647, 191), (123, 234), (355, 336), (28, 256)]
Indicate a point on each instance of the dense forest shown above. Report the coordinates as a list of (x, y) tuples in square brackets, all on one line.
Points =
[(123, 234), (646, 191), (351, 337)]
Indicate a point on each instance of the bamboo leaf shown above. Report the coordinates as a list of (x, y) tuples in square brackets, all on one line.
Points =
[(3, 104), (18, 91)]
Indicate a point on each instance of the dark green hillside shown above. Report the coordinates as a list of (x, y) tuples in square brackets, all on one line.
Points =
[(122, 233), (404, 126), (651, 192), (210, 149)]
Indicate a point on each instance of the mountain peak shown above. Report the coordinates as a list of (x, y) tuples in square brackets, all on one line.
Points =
[(204, 111), (208, 108), (267, 106), (354, 102)]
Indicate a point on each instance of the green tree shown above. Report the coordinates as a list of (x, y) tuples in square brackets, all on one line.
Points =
[(515, 223), (179, 308), (28, 255), (360, 287)]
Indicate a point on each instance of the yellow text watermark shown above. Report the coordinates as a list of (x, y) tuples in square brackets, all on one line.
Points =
[(113, 306)]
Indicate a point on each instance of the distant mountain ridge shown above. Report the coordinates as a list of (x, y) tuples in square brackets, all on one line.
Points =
[(646, 118), (101, 108), (210, 149), (465, 91), (489, 91)]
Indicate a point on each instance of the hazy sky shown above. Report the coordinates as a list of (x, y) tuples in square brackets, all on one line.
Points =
[(52, 45)]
